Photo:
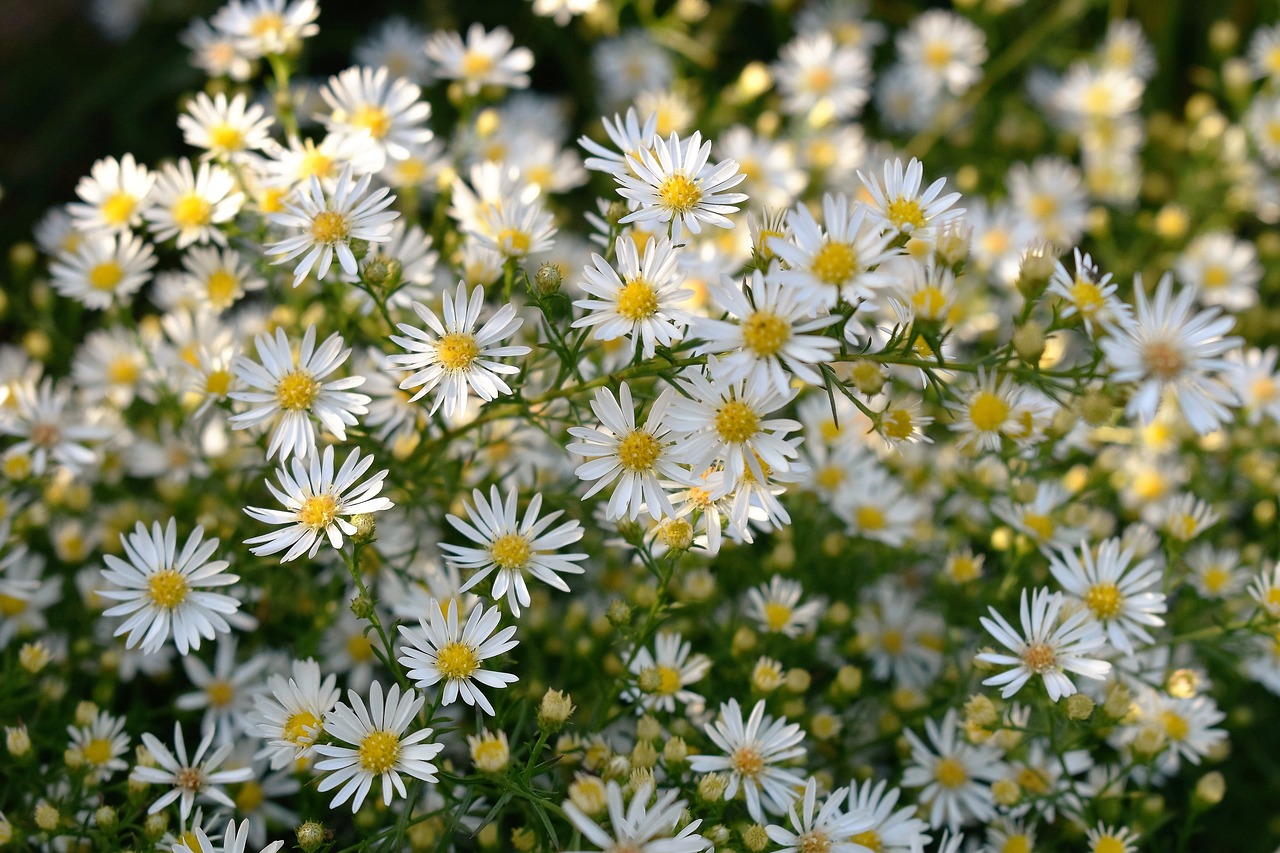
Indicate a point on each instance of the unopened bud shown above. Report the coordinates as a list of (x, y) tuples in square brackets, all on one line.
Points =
[(33, 657), (644, 755), (676, 534), (1096, 408), (17, 741), (647, 728), (711, 788), (613, 215), (156, 824), (755, 838), (105, 817), (980, 710), (365, 527), (547, 279), (1036, 268), (867, 376), (1029, 341), (362, 606), (46, 816), (1211, 788), (1005, 792), (676, 751), (524, 839), (619, 613), (359, 248), (554, 711), (1079, 707)]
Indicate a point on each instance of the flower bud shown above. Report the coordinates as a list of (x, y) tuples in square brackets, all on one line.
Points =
[(675, 751), (767, 675), (33, 657), (547, 279), (17, 741), (362, 606), (619, 613), (359, 248), (1079, 707), (711, 788), (156, 824), (755, 838), (588, 793), (105, 817), (490, 752), (1029, 341), (46, 816), (1210, 789), (1005, 792), (365, 527), (867, 376), (524, 839), (644, 755), (647, 728), (555, 710)]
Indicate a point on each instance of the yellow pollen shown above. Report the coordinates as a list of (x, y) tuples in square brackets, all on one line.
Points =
[(897, 424), (637, 300), (747, 761), (668, 681), (814, 841), (1215, 277), (300, 727), (964, 569), (1040, 658), (765, 333), (318, 511), (679, 194), (820, 78), (950, 773), (1175, 725), (191, 211), (123, 371), (929, 303), (249, 797), (1040, 525), (511, 551), (905, 214), (1087, 298), (167, 588), (267, 25), (373, 119), (638, 451), (329, 226), (1016, 844), (937, 53), (97, 751), (476, 64), (1096, 100), (1163, 360), (11, 606), (379, 751), (892, 641), (1264, 389), (314, 163), (514, 242), (220, 693), (1104, 600), (225, 137), (869, 518), (737, 422), (988, 411), (1043, 205), (776, 615), (105, 276), (834, 263), (1273, 597), (1033, 780), (221, 288), (1108, 844), (297, 390), (870, 840), (217, 383), (359, 648), (118, 209), (1215, 579), (189, 779), (830, 477), (997, 242), (457, 661), (457, 350), (190, 840)]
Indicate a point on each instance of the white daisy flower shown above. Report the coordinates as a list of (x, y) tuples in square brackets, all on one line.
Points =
[(1046, 647), (50, 428), (1254, 378), (214, 52), (1089, 294), (1263, 122), (752, 749), (821, 79), (318, 504), (774, 179), (449, 357), (233, 841), (373, 745), (640, 827), (511, 548), (385, 115), (1185, 726), (627, 134), (776, 607), (105, 269), (267, 27), (102, 744), (165, 591), (768, 339), (903, 639), (676, 668), (326, 226), (397, 44), (899, 203), (224, 692), (1050, 194), (953, 773), (944, 51), (730, 422), (222, 276), (1223, 270), (112, 196), (190, 205), (441, 650), (643, 458), (640, 299), (985, 412), (291, 392), (1123, 596), (485, 59), (197, 777), (828, 828), (226, 130), (1167, 349), (890, 831), (515, 227), (674, 183), (290, 719), (1109, 839)]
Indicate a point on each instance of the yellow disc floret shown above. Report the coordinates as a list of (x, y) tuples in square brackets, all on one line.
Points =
[(457, 660), (297, 390), (167, 588), (379, 751)]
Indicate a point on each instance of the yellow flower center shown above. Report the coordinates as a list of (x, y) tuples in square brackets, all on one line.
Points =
[(514, 242), (1104, 600), (123, 371), (830, 477), (638, 451), (668, 681), (189, 779), (905, 212), (820, 78), (988, 411), (457, 660), (1175, 725), (1214, 277), (1108, 844), (221, 288), (748, 761), (765, 333), (1041, 526), (250, 797), (167, 588), (105, 276), (314, 163), (457, 350), (777, 615), (950, 773), (191, 211), (476, 64), (1087, 298), (679, 194), (929, 302), (1215, 579), (300, 727), (1163, 360), (892, 641), (118, 209), (736, 422), (1039, 658), (897, 424), (1043, 205), (511, 551), (1033, 780), (225, 137), (359, 648), (267, 25), (835, 263), (217, 383), (637, 300), (814, 841), (372, 118), (97, 751), (220, 693), (1016, 844), (869, 518), (937, 54), (297, 390), (318, 511), (379, 751), (870, 840), (1264, 389), (330, 226)]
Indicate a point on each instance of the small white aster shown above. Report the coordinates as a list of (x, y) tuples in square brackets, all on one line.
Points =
[(640, 827), (441, 650), (290, 719), (752, 749), (189, 205), (233, 841), (828, 828), (1123, 595), (382, 116), (900, 204), (112, 196), (674, 183), (197, 777), (676, 668), (104, 269), (484, 59), (226, 130)]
